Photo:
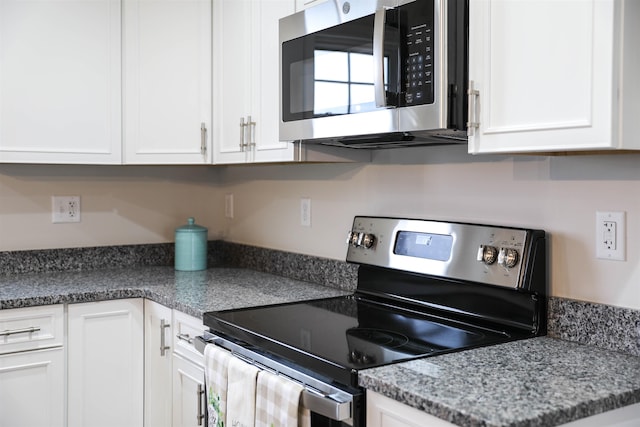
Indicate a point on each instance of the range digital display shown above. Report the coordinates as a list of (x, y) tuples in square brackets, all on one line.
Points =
[(424, 245)]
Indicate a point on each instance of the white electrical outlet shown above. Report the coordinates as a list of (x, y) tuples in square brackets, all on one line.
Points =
[(305, 212), (611, 236), (65, 209), (228, 206)]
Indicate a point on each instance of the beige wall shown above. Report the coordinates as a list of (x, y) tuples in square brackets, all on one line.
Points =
[(558, 194), (119, 205), (122, 205)]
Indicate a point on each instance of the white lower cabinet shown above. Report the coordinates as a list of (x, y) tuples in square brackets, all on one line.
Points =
[(157, 365), (32, 367), (174, 377), (188, 393), (32, 388), (105, 363), (385, 412)]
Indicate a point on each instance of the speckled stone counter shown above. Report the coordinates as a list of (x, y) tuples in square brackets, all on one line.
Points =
[(191, 292), (536, 382)]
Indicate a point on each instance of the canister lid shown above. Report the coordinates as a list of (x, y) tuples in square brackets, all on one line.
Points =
[(191, 227)]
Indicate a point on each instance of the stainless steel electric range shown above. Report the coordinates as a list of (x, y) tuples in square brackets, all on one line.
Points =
[(425, 288)]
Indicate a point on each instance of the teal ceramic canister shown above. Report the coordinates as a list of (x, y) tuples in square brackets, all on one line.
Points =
[(191, 247)]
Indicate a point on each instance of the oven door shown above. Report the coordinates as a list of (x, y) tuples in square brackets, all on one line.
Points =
[(330, 406)]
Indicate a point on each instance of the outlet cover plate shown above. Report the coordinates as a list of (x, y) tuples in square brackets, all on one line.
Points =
[(611, 235), (65, 209)]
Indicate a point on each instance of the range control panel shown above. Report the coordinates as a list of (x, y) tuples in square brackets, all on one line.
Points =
[(486, 254)]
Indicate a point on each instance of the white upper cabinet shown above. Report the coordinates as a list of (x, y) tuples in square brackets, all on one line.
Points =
[(167, 81), (246, 81), (60, 81), (553, 75)]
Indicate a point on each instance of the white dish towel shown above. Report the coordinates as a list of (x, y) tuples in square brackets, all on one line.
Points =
[(278, 402), (216, 361), (241, 394)]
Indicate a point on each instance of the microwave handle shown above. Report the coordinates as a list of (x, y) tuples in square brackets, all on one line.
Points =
[(378, 58)]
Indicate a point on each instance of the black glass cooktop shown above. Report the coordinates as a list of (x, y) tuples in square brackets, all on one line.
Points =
[(338, 336)]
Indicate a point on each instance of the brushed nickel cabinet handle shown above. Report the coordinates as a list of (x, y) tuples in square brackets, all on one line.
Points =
[(252, 133), (163, 347), (29, 330), (185, 337), (243, 126), (201, 394), (473, 123), (203, 138)]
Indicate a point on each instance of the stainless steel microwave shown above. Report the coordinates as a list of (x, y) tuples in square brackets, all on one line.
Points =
[(375, 73)]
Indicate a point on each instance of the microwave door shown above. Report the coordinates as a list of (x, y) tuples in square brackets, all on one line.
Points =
[(329, 74)]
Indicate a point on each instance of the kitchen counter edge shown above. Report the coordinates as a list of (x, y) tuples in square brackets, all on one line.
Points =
[(540, 381)]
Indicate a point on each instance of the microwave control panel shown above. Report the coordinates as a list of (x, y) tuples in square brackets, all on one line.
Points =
[(417, 27)]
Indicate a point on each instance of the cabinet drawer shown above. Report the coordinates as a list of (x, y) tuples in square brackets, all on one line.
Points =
[(31, 328), (185, 329)]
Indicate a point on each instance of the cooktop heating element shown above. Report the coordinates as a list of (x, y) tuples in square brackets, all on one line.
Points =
[(424, 288)]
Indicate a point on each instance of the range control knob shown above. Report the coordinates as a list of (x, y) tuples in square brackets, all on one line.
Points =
[(355, 239), (368, 240), (487, 254), (508, 257)]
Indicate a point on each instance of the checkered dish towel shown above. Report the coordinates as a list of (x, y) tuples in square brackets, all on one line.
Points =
[(216, 362), (278, 402), (241, 394)]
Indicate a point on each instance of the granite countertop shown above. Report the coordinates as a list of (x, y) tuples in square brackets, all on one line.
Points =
[(192, 292), (534, 382)]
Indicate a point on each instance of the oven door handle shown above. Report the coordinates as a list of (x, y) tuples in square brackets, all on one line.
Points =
[(325, 404)]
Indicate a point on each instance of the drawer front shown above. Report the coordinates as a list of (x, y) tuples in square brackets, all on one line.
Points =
[(185, 329), (31, 328)]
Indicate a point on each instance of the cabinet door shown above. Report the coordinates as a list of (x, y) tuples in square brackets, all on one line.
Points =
[(32, 328), (186, 328), (266, 99), (105, 363), (246, 81), (158, 329), (385, 412), (60, 81), (167, 81), (542, 87), (232, 82), (188, 393), (32, 388)]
